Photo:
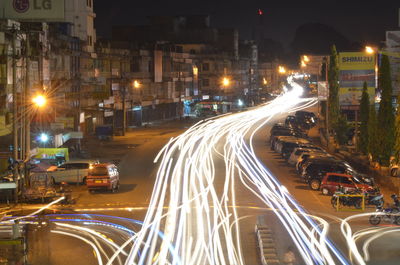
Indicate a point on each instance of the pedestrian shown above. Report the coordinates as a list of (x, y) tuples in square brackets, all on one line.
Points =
[(289, 257)]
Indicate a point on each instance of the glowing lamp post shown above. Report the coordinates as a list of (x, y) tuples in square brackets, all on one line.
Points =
[(39, 101), (225, 81)]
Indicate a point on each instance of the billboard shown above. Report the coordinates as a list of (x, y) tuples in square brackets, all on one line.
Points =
[(355, 68), (393, 39), (33, 10)]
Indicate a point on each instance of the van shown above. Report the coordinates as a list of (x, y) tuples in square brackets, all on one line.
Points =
[(103, 177), (73, 171)]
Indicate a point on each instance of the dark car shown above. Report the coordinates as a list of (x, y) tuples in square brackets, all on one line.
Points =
[(306, 119), (304, 158), (288, 148), (279, 130), (315, 170), (291, 121), (279, 142)]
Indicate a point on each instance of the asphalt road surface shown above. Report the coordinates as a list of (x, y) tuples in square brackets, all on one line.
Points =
[(138, 174)]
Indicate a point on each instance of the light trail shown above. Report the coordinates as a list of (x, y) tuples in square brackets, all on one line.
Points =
[(194, 204)]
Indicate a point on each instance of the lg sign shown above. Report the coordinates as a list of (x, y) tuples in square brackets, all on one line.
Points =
[(22, 6)]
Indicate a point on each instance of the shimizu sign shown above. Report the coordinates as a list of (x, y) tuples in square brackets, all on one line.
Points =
[(34, 10), (355, 68)]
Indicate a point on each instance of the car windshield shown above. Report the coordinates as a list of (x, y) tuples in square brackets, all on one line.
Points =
[(99, 171)]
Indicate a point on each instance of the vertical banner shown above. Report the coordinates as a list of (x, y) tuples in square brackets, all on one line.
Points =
[(158, 66), (355, 68)]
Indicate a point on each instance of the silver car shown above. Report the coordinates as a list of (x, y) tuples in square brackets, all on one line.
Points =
[(73, 171)]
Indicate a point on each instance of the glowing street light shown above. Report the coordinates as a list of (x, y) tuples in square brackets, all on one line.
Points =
[(303, 64), (43, 138), (281, 70), (39, 101), (225, 81), (195, 71), (369, 50), (265, 82), (136, 84), (306, 59)]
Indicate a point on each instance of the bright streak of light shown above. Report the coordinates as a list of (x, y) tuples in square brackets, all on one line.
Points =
[(198, 215), (36, 212)]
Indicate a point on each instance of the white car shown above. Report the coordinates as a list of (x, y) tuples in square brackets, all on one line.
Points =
[(297, 152), (294, 156), (72, 171)]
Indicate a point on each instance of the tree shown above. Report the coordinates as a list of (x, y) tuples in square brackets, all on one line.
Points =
[(386, 136), (341, 128), (372, 134), (363, 141), (333, 99)]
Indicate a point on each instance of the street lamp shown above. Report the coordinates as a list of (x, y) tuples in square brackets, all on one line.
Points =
[(282, 69), (43, 138), (369, 50), (225, 81), (306, 58), (39, 101), (136, 84), (265, 82)]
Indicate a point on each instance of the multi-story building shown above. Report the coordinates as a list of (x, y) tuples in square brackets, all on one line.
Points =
[(269, 77), (215, 53)]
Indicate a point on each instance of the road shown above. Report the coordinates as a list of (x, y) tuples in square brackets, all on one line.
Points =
[(228, 204)]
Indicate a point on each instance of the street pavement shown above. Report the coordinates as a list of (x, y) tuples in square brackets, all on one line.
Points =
[(134, 154)]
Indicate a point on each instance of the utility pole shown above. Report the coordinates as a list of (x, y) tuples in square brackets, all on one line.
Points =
[(180, 93), (123, 83), (15, 113), (27, 98)]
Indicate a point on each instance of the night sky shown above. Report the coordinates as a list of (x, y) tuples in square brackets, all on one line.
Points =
[(356, 20)]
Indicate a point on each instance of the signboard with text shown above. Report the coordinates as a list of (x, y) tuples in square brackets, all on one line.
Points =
[(355, 68), (33, 10)]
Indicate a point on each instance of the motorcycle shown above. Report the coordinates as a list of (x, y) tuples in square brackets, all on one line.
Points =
[(346, 200), (387, 215), (373, 197)]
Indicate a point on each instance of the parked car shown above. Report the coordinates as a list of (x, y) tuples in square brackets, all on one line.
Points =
[(288, 147), (291, 121), (314, 170), (297, 152), (306, 119), (73, 171), (304, 157), (349, 183), (205, 112), (283, 142), (103, 177)]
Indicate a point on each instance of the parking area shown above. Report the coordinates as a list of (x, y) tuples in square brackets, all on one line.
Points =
[(307, 181)]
